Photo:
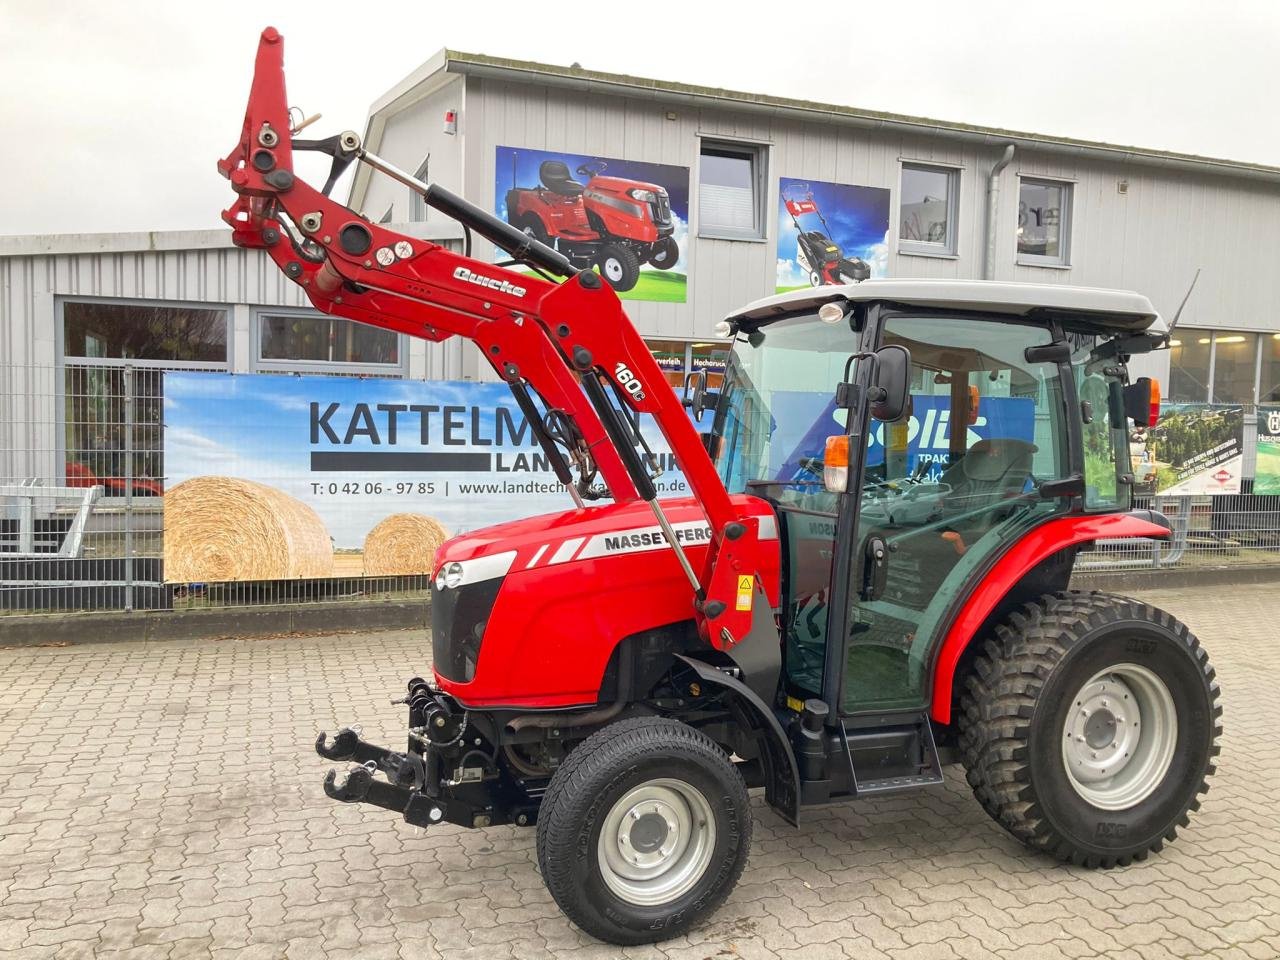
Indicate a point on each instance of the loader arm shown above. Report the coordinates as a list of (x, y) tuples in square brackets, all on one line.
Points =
[(570, 343)]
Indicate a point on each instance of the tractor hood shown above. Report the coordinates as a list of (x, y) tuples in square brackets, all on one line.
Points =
[(620, 185), (553, 538)]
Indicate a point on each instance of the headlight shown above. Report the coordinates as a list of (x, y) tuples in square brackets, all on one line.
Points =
[(644, 196), (449, 576)]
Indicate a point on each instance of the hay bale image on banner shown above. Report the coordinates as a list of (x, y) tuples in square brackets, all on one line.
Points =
[(830, 233), (625, 218), (403, 543), (223, 528), (1193, 450), (1266, 477)]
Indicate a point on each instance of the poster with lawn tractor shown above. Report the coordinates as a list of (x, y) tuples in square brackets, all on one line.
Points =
[(627, 219), (1193, 450), (1266, 477), (830, 233)]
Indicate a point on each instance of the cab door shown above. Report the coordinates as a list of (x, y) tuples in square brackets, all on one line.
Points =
[(944, 491)]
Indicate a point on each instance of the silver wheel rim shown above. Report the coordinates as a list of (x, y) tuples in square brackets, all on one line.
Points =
[(1119, 736), (613, 269), (656, 842)]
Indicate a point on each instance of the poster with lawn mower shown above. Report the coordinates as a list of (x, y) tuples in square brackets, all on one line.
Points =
[(830, 233), (1193, 450), (624, 218), (1266, 475)]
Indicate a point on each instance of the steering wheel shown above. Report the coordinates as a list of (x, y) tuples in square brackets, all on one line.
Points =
[(591, 168)]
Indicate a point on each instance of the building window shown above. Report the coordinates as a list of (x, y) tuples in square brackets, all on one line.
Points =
[(417, 205), (1269, 381), (1235, 367), (928, 208), (731, 180), (679, 358), (322, 344), (144, 332), (1044, 223), (1222, 366), (114, 358), (1189, 368)]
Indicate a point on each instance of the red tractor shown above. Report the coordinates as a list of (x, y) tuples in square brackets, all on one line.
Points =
[(621, 674), (612, 223)]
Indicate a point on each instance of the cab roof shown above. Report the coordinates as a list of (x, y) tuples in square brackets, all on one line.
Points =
[(1121, 311)]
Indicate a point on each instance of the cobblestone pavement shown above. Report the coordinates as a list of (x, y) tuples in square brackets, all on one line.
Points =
[(164, 801)]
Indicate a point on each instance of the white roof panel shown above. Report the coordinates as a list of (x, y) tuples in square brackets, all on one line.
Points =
[(1122, 309)]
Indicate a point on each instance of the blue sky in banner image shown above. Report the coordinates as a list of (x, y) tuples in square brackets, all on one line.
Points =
[(358, 450), (858, 218)]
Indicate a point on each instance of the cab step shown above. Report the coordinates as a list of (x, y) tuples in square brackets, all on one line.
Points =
[(893, 758)]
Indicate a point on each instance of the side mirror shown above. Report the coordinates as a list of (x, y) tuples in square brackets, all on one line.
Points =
[(696, 395), (893, 383), (1142, 402)]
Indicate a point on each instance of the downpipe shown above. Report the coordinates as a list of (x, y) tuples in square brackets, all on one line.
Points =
[(993, 206)]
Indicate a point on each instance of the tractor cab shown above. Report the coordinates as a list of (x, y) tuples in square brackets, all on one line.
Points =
[(1000, 407)]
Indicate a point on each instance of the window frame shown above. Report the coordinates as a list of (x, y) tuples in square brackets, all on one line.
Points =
[(758, 153), (417, 203), (949, 249), (1066, 227), (258, 364)]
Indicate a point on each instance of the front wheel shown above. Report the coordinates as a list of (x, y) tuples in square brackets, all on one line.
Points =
[(664, 254), (643, 831), (619, 266), (1089, 727)]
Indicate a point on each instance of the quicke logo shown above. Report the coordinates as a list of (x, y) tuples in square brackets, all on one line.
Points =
[(493, 283)]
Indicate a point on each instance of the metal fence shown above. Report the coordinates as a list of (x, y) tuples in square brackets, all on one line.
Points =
[(82, 482)]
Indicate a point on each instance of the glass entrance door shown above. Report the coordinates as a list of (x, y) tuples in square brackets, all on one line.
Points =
[(944, 490)]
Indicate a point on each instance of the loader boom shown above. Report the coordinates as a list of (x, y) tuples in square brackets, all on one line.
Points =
[(569, 344)]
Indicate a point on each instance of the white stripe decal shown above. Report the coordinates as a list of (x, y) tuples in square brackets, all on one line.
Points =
[(536, 557), (566, 551)]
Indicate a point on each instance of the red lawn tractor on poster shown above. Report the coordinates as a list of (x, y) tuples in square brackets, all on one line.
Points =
[(819, 256), (619, 674), (611, 222)]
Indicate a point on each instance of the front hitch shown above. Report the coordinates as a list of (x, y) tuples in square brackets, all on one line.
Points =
[(402, 790)]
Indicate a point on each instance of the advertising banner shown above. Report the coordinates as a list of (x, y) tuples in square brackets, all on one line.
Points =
[(830, 233), (279, 477), (1193, 450), (627, 218), (1266, 477)]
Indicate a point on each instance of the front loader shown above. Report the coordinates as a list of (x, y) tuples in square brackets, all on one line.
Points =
[(869, 579)]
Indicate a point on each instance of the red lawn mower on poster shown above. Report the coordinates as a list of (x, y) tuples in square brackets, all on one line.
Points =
[(612, 223), (818, 255), (620, 674)]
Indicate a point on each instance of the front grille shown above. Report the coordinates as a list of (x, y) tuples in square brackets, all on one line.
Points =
[(661, 208), (458, 620)]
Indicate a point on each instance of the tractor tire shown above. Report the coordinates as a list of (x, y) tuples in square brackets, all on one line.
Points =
[(664, 254), (1089, 725), (643, 831), (619, 266), (531, 226)]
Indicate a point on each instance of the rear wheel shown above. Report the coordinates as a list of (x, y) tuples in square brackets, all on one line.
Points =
[(531, 226), (665, 253), (1089, 726), (643, 831), (619, 266)]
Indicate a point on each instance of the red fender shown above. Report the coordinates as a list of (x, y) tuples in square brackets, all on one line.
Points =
[(1039, 544)]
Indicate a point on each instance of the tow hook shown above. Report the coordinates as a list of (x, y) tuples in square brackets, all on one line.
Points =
[(401, 790)]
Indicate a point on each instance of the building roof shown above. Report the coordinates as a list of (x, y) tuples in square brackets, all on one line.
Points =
[(437, 71), (1118, 309)]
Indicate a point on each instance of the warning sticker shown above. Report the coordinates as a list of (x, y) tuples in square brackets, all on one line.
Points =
[(746, 586)]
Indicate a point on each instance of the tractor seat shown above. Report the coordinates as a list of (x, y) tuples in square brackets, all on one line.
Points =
[(554, 175), (996, 468)]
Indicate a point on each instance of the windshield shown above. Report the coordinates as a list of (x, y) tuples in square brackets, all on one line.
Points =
[(777, 405)]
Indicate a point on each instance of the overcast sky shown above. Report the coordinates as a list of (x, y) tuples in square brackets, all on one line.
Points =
[(114, 112)]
